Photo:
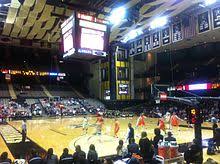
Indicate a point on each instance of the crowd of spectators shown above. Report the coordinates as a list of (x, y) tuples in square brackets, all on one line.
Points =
[(69, 107), (46, 107)]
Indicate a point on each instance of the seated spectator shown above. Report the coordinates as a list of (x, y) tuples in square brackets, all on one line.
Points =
[(157, 138), (133, 147), (108, 161), (193, 154), (92, 155), (51, 158), (66, 158), (121, 149), (4, 158), (146, 148), (79, 157), (169, 137), (35, 158)]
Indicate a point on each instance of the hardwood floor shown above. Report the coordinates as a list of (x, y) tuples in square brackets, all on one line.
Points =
[(66, 132)]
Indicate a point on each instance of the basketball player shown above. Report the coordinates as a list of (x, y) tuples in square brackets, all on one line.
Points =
[(161, 125), (99, 124), (85, 125), (167, 118), (140, 121), (117, 127), (175, 120)]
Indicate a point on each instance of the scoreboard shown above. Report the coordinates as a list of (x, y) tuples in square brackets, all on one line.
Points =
[(85, 35)]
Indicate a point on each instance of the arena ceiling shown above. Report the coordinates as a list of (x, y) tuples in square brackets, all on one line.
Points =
[(41, 19)]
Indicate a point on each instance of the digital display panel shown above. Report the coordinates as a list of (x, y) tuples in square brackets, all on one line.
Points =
[(68, 41), (107, 95), (123, 89), (84, 35), (92, 39)]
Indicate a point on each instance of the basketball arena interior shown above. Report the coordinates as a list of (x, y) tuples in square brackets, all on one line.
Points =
[(109, 81)]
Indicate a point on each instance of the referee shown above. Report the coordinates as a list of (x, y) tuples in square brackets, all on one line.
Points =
[(24, 130)]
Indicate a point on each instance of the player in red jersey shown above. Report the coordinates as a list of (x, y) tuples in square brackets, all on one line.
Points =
[(141, 121), (161, 125), (99, 124), (117, 127), (175, 120)]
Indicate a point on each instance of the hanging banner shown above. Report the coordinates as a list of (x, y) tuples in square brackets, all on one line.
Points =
[(156, 39), (139, 44), (147, 43), (132, 48), (165, 36), (177, 32), (203, 22), (216, 17)]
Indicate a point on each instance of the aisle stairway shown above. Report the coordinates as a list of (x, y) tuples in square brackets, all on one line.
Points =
[(12, 91), (10, 134), (13, 140), (46, 91)]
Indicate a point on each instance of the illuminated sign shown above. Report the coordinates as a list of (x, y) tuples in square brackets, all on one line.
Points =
[(92, 25), (123, 89), (163, 96), (31, 73), (192, 87), (194, 116), (92, 39)]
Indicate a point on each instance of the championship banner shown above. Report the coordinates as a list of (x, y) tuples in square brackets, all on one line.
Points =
[(156, 39), (139, 44), (132, 48), (147, 43), (177, 32), (165, 36), (216, 17), (203, 22)]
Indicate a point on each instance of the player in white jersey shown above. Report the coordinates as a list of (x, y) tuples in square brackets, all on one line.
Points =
[(85, 125)]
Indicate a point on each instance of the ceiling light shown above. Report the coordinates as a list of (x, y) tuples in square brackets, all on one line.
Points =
[(117, 15), (132, 34), (158, 22), (209, 2)]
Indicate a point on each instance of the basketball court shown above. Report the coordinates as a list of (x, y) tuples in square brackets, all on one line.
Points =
[(59, 133)]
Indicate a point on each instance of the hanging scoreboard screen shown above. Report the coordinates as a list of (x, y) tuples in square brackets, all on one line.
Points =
[(132, 48), (147, 43), (85, 35), (68, 33), (216, 17), (165, 36), (203, 22), (156, 39), (139, 44), (177, 32)]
